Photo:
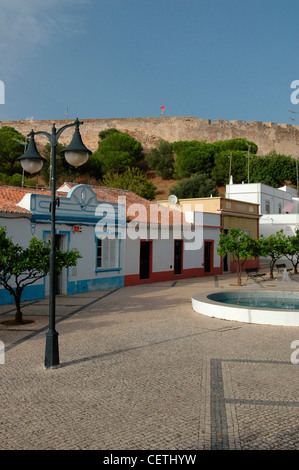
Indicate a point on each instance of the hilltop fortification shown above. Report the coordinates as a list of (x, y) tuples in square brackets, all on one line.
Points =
[(284, 138)]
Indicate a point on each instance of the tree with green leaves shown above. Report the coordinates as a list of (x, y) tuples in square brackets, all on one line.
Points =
[(196, 186), (21, 267), (65, 171), (18, 180), (106, 132), (192, 157), (232, 154), (221, 171), (292, 250), (133, 179), (12, 146), (239, 143), (200, 157), (117, 151), (241, 247), (275, 246), (273, 169), (161, 159)]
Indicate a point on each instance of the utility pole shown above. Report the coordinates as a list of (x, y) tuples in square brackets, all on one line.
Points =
[(248, 156)]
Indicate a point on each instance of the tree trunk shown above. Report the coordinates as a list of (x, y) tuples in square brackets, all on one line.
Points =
[(272, 263), (19, 314), (239, 273)]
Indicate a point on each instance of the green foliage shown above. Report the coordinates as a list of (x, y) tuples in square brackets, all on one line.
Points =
[(133, 180), (16, 180), (107, 132), (241, 247), (20, 267), (196, 186), (202, 157), (220, 172), (10, 150), (292, 250), (235, 144), (118, 151), (64, 170), (274, 246), (92, 167), (273, 169), (238, 150), (161, 159), (192, 157)]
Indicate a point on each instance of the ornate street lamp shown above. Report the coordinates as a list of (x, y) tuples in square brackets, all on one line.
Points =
[(76, 154)]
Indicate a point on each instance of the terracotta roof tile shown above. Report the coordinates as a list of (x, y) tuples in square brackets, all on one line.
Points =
[(10, 196), (112, 195)]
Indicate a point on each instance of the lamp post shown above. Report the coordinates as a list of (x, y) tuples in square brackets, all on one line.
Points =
[(76, 154)]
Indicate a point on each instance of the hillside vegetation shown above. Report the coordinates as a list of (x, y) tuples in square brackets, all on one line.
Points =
[(184, 168)]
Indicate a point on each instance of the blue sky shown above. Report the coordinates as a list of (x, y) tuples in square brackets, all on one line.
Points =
[(213, 59)]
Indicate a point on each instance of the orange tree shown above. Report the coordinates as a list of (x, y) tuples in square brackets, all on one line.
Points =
[(241, 247), (292, 250), (21, 267), (275, 246)]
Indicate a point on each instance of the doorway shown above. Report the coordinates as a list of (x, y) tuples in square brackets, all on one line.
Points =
[(226, 257), (145, 259), (208, 256), (178, 251)]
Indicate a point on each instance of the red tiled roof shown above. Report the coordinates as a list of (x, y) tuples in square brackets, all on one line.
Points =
[(112, 195), (10, 196)]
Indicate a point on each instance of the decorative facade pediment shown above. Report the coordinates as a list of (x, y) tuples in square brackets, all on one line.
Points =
[(79, 206)]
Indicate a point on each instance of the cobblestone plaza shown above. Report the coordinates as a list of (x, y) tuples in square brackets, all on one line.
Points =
[(141, 370)]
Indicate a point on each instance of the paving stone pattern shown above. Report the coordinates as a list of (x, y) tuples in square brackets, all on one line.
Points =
[(141, 370)]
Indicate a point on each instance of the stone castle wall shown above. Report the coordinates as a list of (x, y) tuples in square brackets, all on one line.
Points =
[(284, 138)]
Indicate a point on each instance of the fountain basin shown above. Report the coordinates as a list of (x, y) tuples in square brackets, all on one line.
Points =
[(265, 308)]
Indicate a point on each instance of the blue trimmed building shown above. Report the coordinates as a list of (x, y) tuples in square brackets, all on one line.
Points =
[(82, 224), (123, 239)]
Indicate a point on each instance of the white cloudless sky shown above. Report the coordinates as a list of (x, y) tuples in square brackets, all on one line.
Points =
[(213, 59)]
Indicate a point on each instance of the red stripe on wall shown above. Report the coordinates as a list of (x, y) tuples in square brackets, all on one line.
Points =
[(134, 279)]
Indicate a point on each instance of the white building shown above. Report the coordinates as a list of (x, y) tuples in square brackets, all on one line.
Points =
[(278, 206), (271, 200), (123, 239)]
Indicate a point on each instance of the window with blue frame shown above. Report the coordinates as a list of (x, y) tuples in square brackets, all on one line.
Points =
[(107, 253)]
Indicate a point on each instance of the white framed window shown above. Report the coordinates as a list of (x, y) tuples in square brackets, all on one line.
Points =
[(267, 207), (107, 253)]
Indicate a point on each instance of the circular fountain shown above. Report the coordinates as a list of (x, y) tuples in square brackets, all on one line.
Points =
[(258, 306)]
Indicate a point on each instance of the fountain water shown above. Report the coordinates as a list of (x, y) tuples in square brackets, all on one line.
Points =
[(277, 307), (285, 281), (285, 277)]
